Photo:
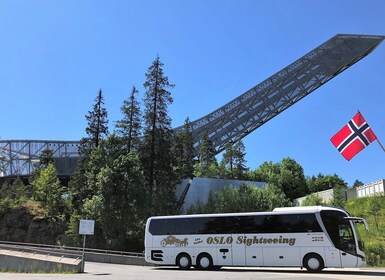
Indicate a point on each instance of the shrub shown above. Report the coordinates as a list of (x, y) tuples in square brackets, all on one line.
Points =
[(375, 253)]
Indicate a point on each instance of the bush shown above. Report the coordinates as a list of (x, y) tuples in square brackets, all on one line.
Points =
[(5, 204), (375, 254)]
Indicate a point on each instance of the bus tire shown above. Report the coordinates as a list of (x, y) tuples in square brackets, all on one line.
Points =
[(204, 262), (183, 260), (313, 263)]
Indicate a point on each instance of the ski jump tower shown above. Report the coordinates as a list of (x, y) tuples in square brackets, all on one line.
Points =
[(247, 112), (234, 120)]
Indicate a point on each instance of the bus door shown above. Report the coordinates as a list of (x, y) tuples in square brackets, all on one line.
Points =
[(239, 250), (347, 245)]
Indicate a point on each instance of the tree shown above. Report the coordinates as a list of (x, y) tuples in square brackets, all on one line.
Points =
[(234, 160), (206, 152), (339, 196), (324, 182), (96, 131), (313, 200), (287, 175), (48, 191), (357, 184), (156, 150), (207, 165), (292, 179), (97, 128), (130, 126), (124, 204), (184, 152)]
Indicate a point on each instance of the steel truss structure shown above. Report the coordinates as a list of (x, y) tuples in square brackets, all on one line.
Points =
[(17, 157), (247, 112), (234, 120)]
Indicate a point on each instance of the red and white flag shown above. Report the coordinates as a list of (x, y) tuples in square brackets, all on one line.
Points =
[(353, 137)]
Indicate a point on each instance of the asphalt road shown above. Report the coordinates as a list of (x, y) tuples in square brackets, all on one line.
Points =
[(119, 272)]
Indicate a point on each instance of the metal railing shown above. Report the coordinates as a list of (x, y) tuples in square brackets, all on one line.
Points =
[(70, 251)]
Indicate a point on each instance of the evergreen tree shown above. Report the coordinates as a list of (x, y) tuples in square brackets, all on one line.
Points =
[(129, 128), (339, 196), (156, 152), (206, 152), (97, 128), (288, 175), (96, 131), (357, 184), (184, 152), (324, 182), (48, 190), (124, 203), (234, 160), (292, 179), (207, 165)]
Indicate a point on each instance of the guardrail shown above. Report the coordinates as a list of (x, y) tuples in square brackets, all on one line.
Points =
[(95, 255)]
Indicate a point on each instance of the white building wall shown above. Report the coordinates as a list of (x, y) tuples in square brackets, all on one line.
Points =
[(370, 189)]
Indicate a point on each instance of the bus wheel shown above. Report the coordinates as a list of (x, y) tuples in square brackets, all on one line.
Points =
[(183, 261), (313, 263), (204, 261)]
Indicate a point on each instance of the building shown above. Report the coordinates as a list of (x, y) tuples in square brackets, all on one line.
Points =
[(371, 189), (190, 191)]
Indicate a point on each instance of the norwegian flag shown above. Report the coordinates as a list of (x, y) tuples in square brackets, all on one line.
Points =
[(353, 137)]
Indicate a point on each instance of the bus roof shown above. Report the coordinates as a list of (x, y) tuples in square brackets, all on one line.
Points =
[(276, 211)]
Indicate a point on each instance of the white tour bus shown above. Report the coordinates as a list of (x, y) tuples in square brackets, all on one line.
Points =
[(311, 237)]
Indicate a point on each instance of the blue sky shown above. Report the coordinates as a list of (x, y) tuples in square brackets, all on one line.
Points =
[(55, 55)]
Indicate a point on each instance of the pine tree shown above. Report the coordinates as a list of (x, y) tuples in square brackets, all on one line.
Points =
[(156, 154), (206, 152), (130, 126), (97, 128), (48, 190), (207, 165), (234, 159), (184, 152)]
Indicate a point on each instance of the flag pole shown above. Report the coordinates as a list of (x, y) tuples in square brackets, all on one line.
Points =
[(382, 147)]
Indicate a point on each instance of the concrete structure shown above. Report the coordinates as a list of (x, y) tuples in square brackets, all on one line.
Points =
[(370, 189), (189, 192), (374, 188), (326, 195), (21, 261)]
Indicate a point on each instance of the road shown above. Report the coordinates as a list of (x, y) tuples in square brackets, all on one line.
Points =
[(102, 271)]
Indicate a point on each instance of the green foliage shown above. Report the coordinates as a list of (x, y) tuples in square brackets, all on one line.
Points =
[(5, 204), (48, 191), (357, 184), (206, 152), (324, 182), (288, 175), (97, 126), (375, 253), (373, 210), (207, 171), (184, 152), (234, 161), (124, 203), (313, 200), (130, 126)]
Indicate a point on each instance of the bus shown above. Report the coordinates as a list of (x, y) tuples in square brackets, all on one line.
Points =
[(314, 237)]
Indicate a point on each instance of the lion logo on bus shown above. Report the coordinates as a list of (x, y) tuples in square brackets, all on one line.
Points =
[(171, 240)]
